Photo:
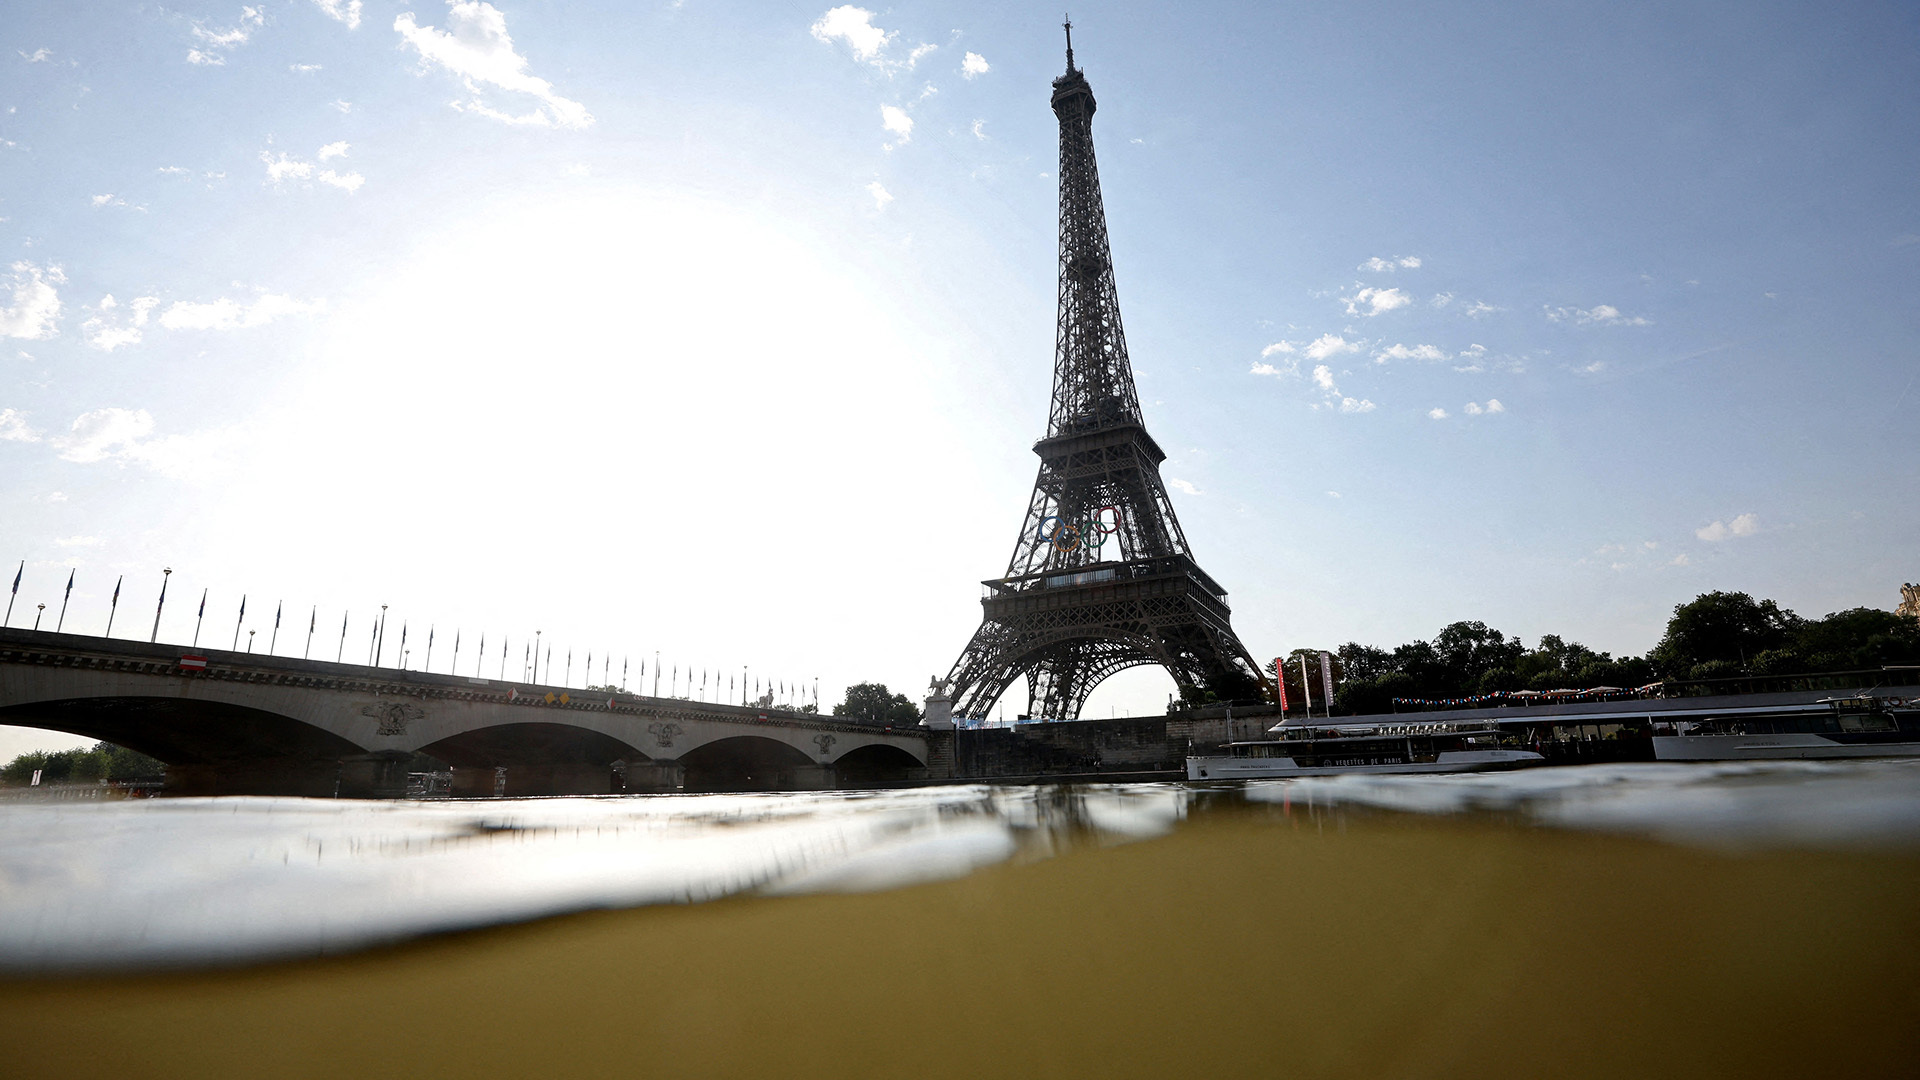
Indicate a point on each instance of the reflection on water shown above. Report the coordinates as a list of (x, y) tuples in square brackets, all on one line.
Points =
[(210, 881)]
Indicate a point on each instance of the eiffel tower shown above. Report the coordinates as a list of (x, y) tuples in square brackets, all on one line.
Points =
[(1101, 578)]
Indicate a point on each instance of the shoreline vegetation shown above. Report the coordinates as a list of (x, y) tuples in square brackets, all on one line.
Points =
[(1716, 635), (1243, 944)]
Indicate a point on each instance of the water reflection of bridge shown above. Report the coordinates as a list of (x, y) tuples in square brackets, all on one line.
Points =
[(251, 724)]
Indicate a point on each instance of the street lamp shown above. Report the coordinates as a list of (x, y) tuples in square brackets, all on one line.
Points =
[(164, 575), (36, 616)]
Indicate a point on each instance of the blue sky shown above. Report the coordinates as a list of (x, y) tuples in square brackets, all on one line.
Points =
[(723, 330)]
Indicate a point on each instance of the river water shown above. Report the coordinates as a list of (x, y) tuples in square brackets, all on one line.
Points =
[(1607, 920), (183, 882)]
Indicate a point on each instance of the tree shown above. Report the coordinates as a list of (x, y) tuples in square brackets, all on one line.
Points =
[(873, 703), (1722, 628)]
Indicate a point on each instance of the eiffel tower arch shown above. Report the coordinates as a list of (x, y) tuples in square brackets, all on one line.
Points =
[(1101, 577)]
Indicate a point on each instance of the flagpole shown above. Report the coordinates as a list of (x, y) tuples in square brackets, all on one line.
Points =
[(536, 658), (112, 609), (403, 644), (453, 666), (63, 602), (200, 618), (380, 636), (8, 621), (313, 620), (236, 626), (273, 641), (157, 608), (427, 665)]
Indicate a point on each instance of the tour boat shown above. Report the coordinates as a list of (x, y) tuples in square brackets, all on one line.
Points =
[(1843, 727), (1386, 748)]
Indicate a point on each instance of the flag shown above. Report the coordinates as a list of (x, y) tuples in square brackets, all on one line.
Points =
[(16, 577), (313, 619), (116, 590), (243, 601), (276, 614), (1280, 680), (69, 591), (202, 613)]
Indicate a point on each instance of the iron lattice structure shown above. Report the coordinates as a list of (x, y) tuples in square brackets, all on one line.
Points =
[(1101, 578)]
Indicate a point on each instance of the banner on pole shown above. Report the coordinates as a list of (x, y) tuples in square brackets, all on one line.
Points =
[(1280, 680), (1326, 677)]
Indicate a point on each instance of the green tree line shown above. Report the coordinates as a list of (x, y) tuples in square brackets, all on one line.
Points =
[(104, 761), (1714, 635)]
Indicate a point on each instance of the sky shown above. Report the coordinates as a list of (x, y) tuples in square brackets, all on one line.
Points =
[(722, 332)]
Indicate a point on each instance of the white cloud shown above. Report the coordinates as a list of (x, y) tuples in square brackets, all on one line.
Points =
[(1494, 406), (343, 106), (1680, 560), (1283, 347), (980, 129), (107, 333), (107, 200), (974, 64), (303, 69), (346, 11), (35, 306), (1380, 266), (41, 56), (1406, 352), (1598, 315), (1266, 369), (1744, 525), (1472, 408), (1323, 378), (1181, 485), (103, 432), (225, 314), (855, 27), (174, 170), (476, 47), (881, 196), (1441, 300), (896, 120), (1480, 309), (1355, 405), (282, 167), (1437, 413), (221, 42), (1329, 345), (1376, 301), (13, 427), (1333, 494)]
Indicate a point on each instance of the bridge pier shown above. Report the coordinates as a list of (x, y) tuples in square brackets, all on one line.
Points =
[(317, 779)]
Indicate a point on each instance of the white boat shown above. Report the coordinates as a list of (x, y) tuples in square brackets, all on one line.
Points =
[(1386, 748), (1848, 727)]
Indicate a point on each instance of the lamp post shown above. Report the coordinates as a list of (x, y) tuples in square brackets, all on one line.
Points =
[(157, 608), (250, 634), (36, 615)]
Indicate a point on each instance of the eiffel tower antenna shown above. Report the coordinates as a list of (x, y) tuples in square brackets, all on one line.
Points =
[(1069, 25), (1101, 577)]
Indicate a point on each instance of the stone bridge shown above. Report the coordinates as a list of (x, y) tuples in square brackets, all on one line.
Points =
[(238, 723)]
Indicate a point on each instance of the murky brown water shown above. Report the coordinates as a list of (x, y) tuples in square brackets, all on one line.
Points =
[(1269, 939)]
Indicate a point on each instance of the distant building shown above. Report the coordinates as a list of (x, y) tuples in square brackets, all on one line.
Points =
[(1909, 601)]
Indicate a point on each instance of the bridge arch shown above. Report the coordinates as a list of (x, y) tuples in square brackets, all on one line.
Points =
[(537, 758), (876, 765), (750, 763), (183, 732)]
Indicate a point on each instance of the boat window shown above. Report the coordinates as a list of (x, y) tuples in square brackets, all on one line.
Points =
[(1866, 722)]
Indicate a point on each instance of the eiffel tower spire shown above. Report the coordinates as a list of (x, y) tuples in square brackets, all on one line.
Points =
[(1101, 578)]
